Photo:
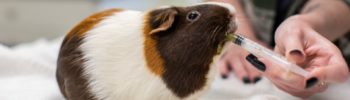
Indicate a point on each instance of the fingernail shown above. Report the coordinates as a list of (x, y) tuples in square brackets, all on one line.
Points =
[(257, 79), (246, 80), (229, 68), (311, 82), (223, 76), (296, 52), (255, 62), (297, 55)]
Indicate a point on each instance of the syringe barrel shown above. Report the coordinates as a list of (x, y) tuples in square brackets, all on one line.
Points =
[(261, 51)]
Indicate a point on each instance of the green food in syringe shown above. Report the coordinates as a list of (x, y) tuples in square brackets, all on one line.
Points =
[(261, 51)]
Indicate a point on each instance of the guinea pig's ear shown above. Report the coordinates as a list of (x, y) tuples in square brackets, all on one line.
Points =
[(162, 19)]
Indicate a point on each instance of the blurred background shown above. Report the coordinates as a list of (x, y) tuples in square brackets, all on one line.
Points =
[(27, 20)]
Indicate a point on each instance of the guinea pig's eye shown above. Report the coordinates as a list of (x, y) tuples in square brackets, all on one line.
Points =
[(193, 16)]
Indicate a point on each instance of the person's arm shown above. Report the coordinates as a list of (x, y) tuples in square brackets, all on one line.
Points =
[(330, 18)]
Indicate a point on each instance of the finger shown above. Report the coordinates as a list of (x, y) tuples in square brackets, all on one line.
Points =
[(316, 83), (222, 65), (290, 89), (296, 56), (274, 71), (265, 69), (254, 74), (254, 61), (320, 87), (299, 91), (240, 71), (292, 47), (263, 65), (332, 74), (317, 88)]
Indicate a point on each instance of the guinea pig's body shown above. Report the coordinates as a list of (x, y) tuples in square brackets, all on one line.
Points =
[(130, 55)]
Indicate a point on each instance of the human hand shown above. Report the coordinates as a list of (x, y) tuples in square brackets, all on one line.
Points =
[(301, 44), (233, 59)]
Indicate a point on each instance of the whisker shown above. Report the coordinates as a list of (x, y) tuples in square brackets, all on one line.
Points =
[(212, 34), (216, 34)]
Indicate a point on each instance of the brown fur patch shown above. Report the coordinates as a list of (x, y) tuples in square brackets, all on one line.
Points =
[(154, 63), (73, 84), (90, 22)]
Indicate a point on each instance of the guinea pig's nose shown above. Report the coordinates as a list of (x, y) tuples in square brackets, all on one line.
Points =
[(230, 16)]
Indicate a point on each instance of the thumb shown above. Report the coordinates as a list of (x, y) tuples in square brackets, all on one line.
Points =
[(292, 47), (331, 74)]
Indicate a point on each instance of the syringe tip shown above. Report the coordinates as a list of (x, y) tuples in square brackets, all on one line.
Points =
[(235, 38)]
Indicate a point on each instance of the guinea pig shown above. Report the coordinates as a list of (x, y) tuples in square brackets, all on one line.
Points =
[(162, 54)]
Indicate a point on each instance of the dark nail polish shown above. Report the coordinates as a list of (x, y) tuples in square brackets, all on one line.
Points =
[(246, 80), (223, 76), (257, 79), (311, 82), (255, 62)]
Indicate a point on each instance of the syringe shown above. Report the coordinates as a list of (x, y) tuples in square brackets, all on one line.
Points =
[(261, 51)]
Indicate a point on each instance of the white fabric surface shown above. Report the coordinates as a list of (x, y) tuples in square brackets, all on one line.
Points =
[(27, 72)]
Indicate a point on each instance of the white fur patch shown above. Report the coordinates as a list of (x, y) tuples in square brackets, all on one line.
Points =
[(164, 7), (115, 64)]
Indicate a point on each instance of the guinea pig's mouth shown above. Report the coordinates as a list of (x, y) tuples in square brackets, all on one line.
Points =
[(232, 27)]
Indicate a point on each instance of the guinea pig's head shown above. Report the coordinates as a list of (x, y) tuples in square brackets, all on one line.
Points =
[(188, 34), (180, 42)]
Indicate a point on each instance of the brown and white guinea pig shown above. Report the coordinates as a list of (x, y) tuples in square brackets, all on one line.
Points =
[(163, 54)]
